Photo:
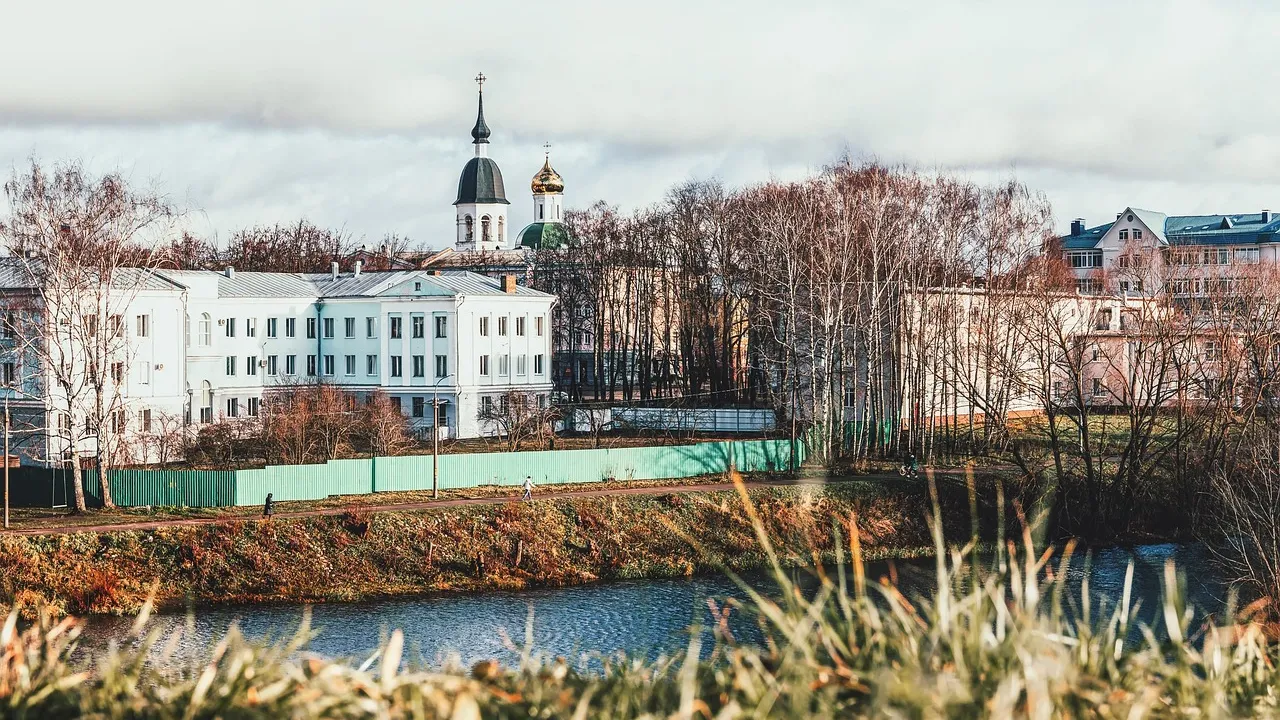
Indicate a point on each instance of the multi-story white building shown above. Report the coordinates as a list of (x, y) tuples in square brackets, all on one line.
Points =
[(201, 346)]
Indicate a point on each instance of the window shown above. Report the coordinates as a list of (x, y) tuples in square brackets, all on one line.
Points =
[(328, 364), (1217, 256), (143, 326), (1098, 389), (502, 227), (371, 365), (273, 362), (1124, 234), (537, 365), (1102, 321), (117, 421), (1092, 259), (1089, 286), (251, 327), (311, 366), (417, 287), (484, 365), (115, 325), (419, 407), (397, 369), (485, 234), (349, 327), (328, 327), (1058, 390), (442, 415), (206, 330), (290, 364), (504, 365), (442, 366), (231, 366), (470, 228), (311, 328), (1246, 256), (10, 374), (144, 373), (253, 406), (502, 326), (486, 405), (484, 327), (419, 326), (419, 365), (537, 326), (350, 362), (395, 327), (144, 420), (1211, 350), (117, 373), (1137, 234), (371, 327), (290, 327), (397, 403), (272, 326), (251, 365), (231, 327), (520, 327), (442, 326), (522, 365), (1094, 352), (233, 407)]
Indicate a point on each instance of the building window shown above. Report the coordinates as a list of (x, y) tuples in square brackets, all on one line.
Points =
[(233, 407), (311, 328), (349, 327), (1211, 350), (504, 363), (1091, 259), (231, 366), (395, 327), (502, 228), (419, 326), (271, 327), (417, 287), (486, 404), (442, 366), (144, 373), (290, 364), (328, 327), (144, 420), (1098, 389), (328, 365), (470, 228), (251, 365), (117, 421), (442, 326), (371, 327), (1137, 234), (251, 327), (1102, 321), (520, 327), (485, 234), (117, 373), (371, 365), (144, 326), (290, 327), (502, 326), (1124, 234), (1246, 256), (350, 362), (484, 327), (397, 369), (537, 365), (522, 365), (253, 406), (484, 365), (231, 327), (10, 374), (273, 362), (1089, 286), (419, 365), (419, 407), (537, 326), (311, 366)]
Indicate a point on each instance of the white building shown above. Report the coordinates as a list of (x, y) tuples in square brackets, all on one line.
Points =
[(205, 345)]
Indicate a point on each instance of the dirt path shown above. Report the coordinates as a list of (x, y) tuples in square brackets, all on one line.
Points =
[(400, 507)]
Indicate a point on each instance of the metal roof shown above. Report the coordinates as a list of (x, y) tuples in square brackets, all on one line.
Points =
[(1237, 229), (19, 273), (367, 284)]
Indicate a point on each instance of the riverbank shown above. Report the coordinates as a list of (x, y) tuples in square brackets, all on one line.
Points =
[(359, 555)]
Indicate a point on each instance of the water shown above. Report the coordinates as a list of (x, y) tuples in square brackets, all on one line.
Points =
[(642, 617)]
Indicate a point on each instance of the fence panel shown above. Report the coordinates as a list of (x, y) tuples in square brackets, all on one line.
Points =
[(304, 482)]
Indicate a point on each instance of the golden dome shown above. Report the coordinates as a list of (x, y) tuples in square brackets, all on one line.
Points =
[(547, 181)]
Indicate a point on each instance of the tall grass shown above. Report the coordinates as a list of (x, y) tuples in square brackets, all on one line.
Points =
[(1004, 637)]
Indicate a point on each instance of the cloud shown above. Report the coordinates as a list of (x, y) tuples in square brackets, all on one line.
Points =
[(356, 115)]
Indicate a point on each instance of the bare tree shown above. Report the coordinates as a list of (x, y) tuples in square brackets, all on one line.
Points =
[(517, 417)]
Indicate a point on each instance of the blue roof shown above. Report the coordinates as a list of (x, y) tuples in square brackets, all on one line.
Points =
[(1238, 229)]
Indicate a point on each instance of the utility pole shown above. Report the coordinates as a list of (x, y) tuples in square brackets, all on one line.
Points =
[(435, 444), (6, 463)]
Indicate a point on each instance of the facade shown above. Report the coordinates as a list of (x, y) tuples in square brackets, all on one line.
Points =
[(201, 346)]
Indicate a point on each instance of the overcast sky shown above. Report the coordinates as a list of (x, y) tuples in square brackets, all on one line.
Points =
[(357, 115)]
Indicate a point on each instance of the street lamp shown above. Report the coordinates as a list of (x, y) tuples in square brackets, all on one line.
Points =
[(435, 438)]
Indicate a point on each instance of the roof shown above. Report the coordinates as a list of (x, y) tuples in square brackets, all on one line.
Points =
[(480, 133), (367, 284), (481, 182), (543, 236), (1231, 229), (19, 273)]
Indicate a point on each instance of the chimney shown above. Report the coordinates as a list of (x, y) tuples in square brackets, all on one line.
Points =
[(509, 284), (433, 272), (1266, 217), (355, 269), (1118, 215), (230, 272), (1077, 226), (333, 270)]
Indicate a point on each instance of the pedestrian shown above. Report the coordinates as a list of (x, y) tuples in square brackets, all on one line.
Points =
[(267, 509), (528, 488)]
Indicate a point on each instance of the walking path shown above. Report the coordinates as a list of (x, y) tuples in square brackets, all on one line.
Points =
[(400, 507)]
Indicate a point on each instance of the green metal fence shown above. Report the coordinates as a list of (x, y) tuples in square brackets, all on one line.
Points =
[(224, 488)]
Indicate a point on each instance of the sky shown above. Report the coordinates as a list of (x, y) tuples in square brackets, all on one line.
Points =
[(358, 115)]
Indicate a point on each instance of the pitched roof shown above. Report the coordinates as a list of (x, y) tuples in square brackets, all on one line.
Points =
[(367, 284), (15, 273), (1237, 229)]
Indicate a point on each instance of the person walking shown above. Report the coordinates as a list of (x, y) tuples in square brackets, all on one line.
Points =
[(528, 488), (267, 508)]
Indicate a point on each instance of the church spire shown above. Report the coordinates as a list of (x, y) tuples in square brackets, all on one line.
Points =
[(480, 133)]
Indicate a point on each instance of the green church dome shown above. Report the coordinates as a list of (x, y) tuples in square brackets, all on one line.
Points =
[(544, 236)]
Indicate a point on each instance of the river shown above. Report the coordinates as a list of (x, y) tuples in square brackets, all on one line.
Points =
[(641, 617)]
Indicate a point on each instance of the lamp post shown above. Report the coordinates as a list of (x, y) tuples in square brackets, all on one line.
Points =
[(435, 438), (6, 462)]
